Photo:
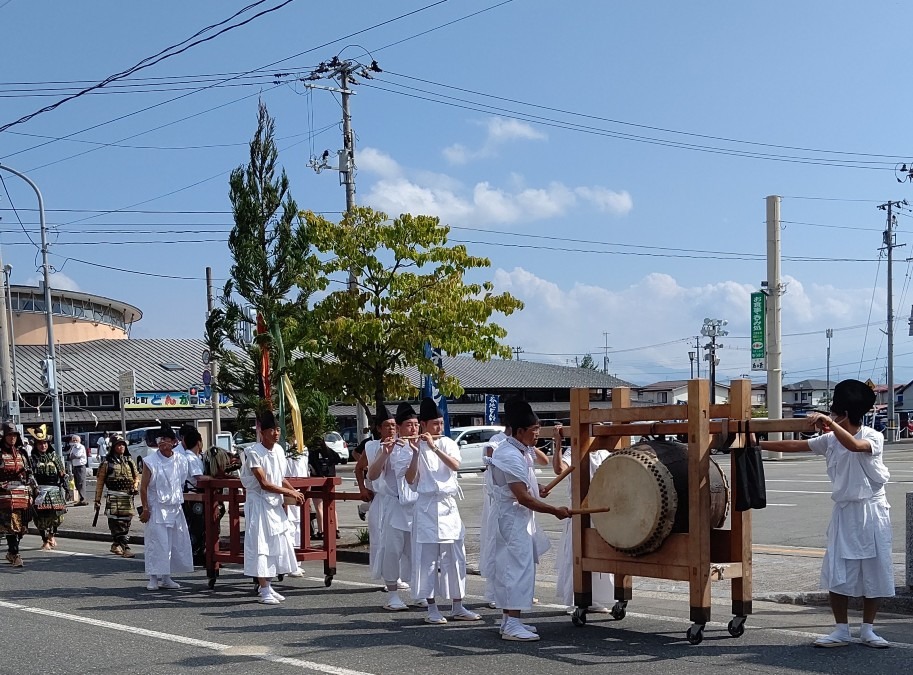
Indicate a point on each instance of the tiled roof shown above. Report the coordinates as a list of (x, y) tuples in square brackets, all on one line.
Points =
[(669, 385)]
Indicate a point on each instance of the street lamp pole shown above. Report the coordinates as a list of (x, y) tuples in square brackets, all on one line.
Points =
[(713, 328), (829, 333), (49, 316), (691, 356)]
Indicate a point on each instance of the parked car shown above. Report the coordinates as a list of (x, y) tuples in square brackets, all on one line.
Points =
[(141, 443), (472, 440), (337, 444), (90, 440)]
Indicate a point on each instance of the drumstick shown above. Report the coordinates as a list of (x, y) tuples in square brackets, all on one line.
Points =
[(588, 511), (560, 477), (412, 438)]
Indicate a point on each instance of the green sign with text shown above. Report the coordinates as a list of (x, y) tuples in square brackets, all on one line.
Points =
[(758, 329)]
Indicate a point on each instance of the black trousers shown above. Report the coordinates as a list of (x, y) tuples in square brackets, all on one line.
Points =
[(12, 542)]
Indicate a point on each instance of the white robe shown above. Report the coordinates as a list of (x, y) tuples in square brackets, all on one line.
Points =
[(268, 546), (517, 543), (167, 540), (389, 521), (603, 584), (296, 467), (486, 529), (858, 557)]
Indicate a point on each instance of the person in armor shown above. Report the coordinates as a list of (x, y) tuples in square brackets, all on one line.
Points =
[(119, 475), (15, 491), (50, 502)]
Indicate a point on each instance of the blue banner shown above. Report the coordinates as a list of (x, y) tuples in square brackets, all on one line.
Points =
[(430, 390), (491, 408)]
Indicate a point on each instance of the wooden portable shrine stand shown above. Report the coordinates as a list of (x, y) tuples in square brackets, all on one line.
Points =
[(229, 492), (682, 556)]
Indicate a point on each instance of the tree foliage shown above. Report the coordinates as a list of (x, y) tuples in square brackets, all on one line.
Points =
[(411, 289), (588, 363), (274, 271)]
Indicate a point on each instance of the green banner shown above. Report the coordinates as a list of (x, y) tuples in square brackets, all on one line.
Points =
[(758, 331)]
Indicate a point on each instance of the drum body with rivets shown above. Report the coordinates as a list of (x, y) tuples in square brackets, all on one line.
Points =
[(646, 489)]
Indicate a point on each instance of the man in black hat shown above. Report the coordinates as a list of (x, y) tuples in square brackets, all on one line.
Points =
[(269, 550), (858, 558), (439, 558), (161, 491)]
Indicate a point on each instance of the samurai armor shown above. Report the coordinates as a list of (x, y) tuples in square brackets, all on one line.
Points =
[(119, 506), (50, 498), (15, 498)]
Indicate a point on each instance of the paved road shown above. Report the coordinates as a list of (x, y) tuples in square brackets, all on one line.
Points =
[(80, 610)]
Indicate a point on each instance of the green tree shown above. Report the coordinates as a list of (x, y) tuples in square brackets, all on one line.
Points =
[(588, 363), (411, 289), (274, 271)]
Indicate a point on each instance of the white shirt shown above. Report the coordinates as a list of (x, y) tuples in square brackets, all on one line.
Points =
[(165, 493), (78, 455), (194, 466), (855, 476), (435, 477)]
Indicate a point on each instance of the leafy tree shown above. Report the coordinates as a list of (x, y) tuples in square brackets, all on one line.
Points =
[(275, 272), (588, 363), (411, 289)]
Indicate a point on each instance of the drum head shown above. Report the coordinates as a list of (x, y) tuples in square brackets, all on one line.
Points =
[(641, 496)]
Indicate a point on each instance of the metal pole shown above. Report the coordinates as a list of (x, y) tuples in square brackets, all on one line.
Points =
[(774, 355), (713, 369), (697, 346), (691, 358), (889, 244), (49, 317), (829, 333), (6, 382), (213, 365), (7, 271)]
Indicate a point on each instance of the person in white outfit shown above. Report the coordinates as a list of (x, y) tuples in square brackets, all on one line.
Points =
[(390, 518), (518, 542), (438, 552), (296, 467), (167, 540), (603, 584), (268, 546), (857, 561)]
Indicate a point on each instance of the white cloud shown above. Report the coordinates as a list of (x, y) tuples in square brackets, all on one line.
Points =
[(59, 281), (657, 309), (498, 131), (400, 190)]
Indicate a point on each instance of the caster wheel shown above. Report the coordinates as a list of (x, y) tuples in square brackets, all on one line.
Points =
[(578, 618), (328, 580), (281, 577), (618, 610), (736, 626), (211, 583), (695, 634)]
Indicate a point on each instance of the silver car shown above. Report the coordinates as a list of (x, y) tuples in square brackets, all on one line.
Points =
[(472, 441)]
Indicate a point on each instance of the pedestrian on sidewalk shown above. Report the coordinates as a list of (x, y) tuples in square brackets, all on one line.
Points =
[(268, 547), (119, 475), (162, 494), (858, 557), (15, 492), (78, 460), (50, 502)]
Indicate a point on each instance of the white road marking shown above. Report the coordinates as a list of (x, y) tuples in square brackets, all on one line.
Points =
[(192, 642)]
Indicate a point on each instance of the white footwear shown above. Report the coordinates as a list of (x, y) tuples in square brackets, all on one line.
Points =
[(153, 584), (514, 630), (436, 619), (169, 583), (402, 585), (276, 595), (839, 638), (419, 603), (526, 626), (463, 614), (492, 605), (297, 573), (395, 603), (874, 641), (267, 600)]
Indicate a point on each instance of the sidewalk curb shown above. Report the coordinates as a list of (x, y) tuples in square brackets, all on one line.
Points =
[(902, 603)]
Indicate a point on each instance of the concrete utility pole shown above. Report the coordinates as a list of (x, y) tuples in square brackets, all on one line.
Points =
[(889, 246), (344, 71), (213, 365), (7, 271), (697, 348), (49, 317), (605, 356), (829, 333), (713, 328), (6, 371), (774, 291)]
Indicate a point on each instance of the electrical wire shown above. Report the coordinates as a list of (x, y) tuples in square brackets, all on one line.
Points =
[(869, 318), (13, 207)]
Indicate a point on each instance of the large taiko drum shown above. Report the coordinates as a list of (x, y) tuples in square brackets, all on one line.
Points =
[(646, 489)]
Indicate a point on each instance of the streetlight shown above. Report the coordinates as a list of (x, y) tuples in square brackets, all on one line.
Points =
[(7, 271), (713, 328), (691, 356), (49, 316), (829, 333)]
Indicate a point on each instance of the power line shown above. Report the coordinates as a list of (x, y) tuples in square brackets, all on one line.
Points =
[(13, 207), (150, 61)]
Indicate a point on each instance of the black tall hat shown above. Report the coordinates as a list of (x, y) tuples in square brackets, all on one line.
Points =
[(853, 397), (429, 410), (268, 420), (511, 404), (167, 432), (404, 412), (521, 416), (382, 415)]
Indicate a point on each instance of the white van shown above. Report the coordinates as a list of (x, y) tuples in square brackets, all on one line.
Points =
[(141, 443)]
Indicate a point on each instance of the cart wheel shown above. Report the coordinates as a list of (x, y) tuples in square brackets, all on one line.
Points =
[(618, 610), (328, 580), (211, 583), (578, 618), (281, 577), (695, 633), (736, 626)]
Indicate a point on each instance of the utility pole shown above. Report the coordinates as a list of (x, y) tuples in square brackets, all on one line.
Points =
[(517, 351), (6, 379), (48, 313), (344, 71), (889, 244), (774, 291), (829, 333), (697, 349), (7, 271), (213, 365), (713, 328), (605, 356)]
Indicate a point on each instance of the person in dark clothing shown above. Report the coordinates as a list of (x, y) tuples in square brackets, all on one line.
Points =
[(322, 462)]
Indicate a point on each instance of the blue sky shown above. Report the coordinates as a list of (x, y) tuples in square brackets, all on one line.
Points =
[(600, 221)]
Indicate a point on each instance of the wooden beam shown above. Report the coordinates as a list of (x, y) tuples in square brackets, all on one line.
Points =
[(699, 500)]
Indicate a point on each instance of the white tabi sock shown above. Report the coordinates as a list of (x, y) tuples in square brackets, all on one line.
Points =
[(457, 606), (265, 590), (842, 630), (433, 611), (867, 629)]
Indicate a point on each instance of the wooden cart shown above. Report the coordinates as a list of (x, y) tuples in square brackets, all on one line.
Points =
[(230, 493), (687, 556)]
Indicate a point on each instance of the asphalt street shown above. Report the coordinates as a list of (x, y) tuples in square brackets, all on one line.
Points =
[(81, 610)]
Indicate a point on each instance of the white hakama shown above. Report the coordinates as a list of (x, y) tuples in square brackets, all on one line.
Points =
[(296, 467), (167, 540)]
